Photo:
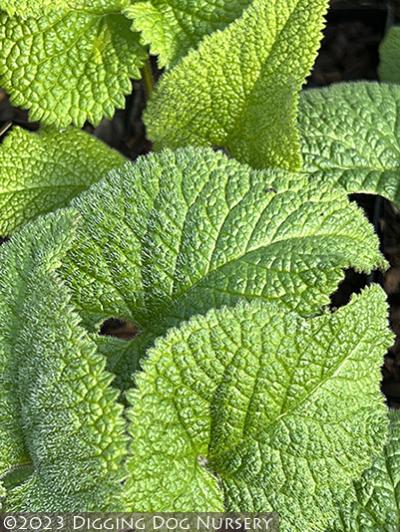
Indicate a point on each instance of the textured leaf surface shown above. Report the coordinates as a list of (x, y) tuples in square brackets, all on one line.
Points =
[(58, 414), (172, 27), (12, 448), (351, 137), (193, 230), (69, 66), (239, 90), (376, 505), (37, 8), (270, 410), (389, 68), (42, 172)]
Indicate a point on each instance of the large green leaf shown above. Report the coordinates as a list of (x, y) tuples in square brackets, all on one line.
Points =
[(172, 27), (42, 172), (179, 233), (257, 409), (239, 89), (374, 503), (69, 65), (351, 137), (62, 432), (258, 406), (389, 68)]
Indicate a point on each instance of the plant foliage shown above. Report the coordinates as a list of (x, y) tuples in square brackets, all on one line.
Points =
[(242, 388), (193, 230), (351, 137), (44, 171), (307, 364), (374, 502), (69, 65), (60, 424), (241, 93), (270, 401), (173, 27), (389, 69)]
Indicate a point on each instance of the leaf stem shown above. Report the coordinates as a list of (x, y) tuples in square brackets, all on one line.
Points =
[(148, 78), (5, 128)]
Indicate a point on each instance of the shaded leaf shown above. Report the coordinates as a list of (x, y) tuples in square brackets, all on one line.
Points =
[(389, 68)]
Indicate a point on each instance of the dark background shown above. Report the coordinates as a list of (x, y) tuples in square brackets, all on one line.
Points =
[(349, 52)]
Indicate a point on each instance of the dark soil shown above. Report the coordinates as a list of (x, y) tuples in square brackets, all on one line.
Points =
[(349, 52)]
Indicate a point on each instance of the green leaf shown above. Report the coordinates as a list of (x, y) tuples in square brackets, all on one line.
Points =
[(59, 418), (175, 235), (36, 8), (20, 265), (193, 230), (42, 172), (239, 89), (351, 137), (70, 65), (389, 68), (257, 409), (173, 27), (375, 505)]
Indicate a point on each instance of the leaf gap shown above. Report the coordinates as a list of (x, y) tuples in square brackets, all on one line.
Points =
[(354, 282), (118, 328)]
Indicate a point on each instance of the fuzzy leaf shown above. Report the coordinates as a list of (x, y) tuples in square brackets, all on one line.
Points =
[(239, 90), (42, 172), (389, 68), (257, 409), (376, 503), (173, 27), (351, 137), (48, 246), (59, 417), (193, 230), (69, 66)]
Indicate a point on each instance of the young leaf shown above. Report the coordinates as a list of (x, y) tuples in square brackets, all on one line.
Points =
[(375, 502), (58, 412), (172, 27), (179, 233), (351, 137), (257, 409), (69, 65), (239, 89), (389, 68), (42, 172)]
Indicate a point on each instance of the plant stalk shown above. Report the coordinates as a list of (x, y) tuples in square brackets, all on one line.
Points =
[(5, 128), (148, 78)]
